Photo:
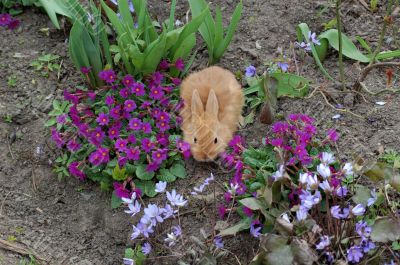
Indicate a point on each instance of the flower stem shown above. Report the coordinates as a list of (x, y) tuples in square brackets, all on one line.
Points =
[(339, 27)]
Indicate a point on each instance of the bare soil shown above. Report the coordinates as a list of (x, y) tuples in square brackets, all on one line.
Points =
[(69, 222)]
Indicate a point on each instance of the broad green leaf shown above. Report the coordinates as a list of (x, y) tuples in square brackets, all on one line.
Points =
[(115, 201), (277, 250), (388, 55), (54, 7), (362, 194), (50, 122), (349, 49), (153, 54), (166, 175), (123, 8), (116, 23), (186, 47), (302, 34), (386, 230), (291, 85), (233, 230), (142, 174), (171, 20), (147, 187), (178, 170), (252, 203)]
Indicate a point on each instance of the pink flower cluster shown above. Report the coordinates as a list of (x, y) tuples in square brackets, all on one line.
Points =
[(128, 120)]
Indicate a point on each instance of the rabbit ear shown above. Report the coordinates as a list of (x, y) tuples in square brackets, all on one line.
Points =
[(197, 105), (212, 107)]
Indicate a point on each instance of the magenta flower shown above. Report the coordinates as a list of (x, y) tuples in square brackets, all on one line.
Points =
[(164, 65), (163, 126), (176, 81), (138, 89), (155, 112), (156, 93), (162, 139), (57, 138), (70, 97), (354, 254), (108, 76), (157, 78), (159, 155), (128, 81), (61, 119), (129, 105), (146, 127), (5, 19), (84, 130), (132, 139), (115, 112), (73, 145), (179, 64), (133, 153), (122, 161), (100, 156), (135, 124), (332, 135), (147, 145), (222, 211), (96, 137), (91, 95), (110, 100), (124, 93), (247, 211), (120, 145), (14, 23), (75, 171), (113, 132), (86, 70), (145, 105), (121, 191), (103, 119), (153, 166)]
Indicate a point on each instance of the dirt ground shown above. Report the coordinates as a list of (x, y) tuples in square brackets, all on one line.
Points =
[(68, 222)]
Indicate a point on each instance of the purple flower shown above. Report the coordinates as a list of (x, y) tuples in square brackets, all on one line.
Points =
[(162, 139), (129, 105), (247, 211), (121, 191), (164, 65), (301, 213), (127, 261), (108, 76), (147, 145), (86, 70), (115, 112), (57, 138), (168, 211), (100, 156), (324, 242), (132, 153), (341, 191), (124, 92), (284, 66), (156, 93), (218, 242), (14, 23), (161, 186), (153, 212), (120, 145), (159, 155), (153, 166), (134, 208), (176, 199), (373, 198), (338, 213), (146, 248), (177, 230), (138, 89), (179, 64), (132, 138), (324, 171), (312, 36), (303, 45), (109, 100), (113, 132), (146, 127), (367, 245), (163, 126), (176, 81), (354, 254), (222, 211), (73, 170), (73, 145), (128, 81), (5, 19), (135, 124), (255, 231), (251, 71), (332, 135), (96, 137), (358, 210), (122, 161), (103, 119), (363, 229)]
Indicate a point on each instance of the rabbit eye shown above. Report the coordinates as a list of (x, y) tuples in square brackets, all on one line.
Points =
[(215, 140), (195, 140)]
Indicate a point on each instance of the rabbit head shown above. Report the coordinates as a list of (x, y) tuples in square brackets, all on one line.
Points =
[(207, 136)]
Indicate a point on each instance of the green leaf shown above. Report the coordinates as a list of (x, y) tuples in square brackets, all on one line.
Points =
[(291, 85), (115, 201), (142, 174), (229, 35), (171, 20), (388, 55), (129, 253), (386, 230), (233, 230), (54, 7), (123, 8), (364, 44), (50, 122), (178, 170), (252, 203), (119, 174), (362, 194), (302, 34), (349, 49), (147, 187), (153, 54), (277, 250), (166, 175)]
